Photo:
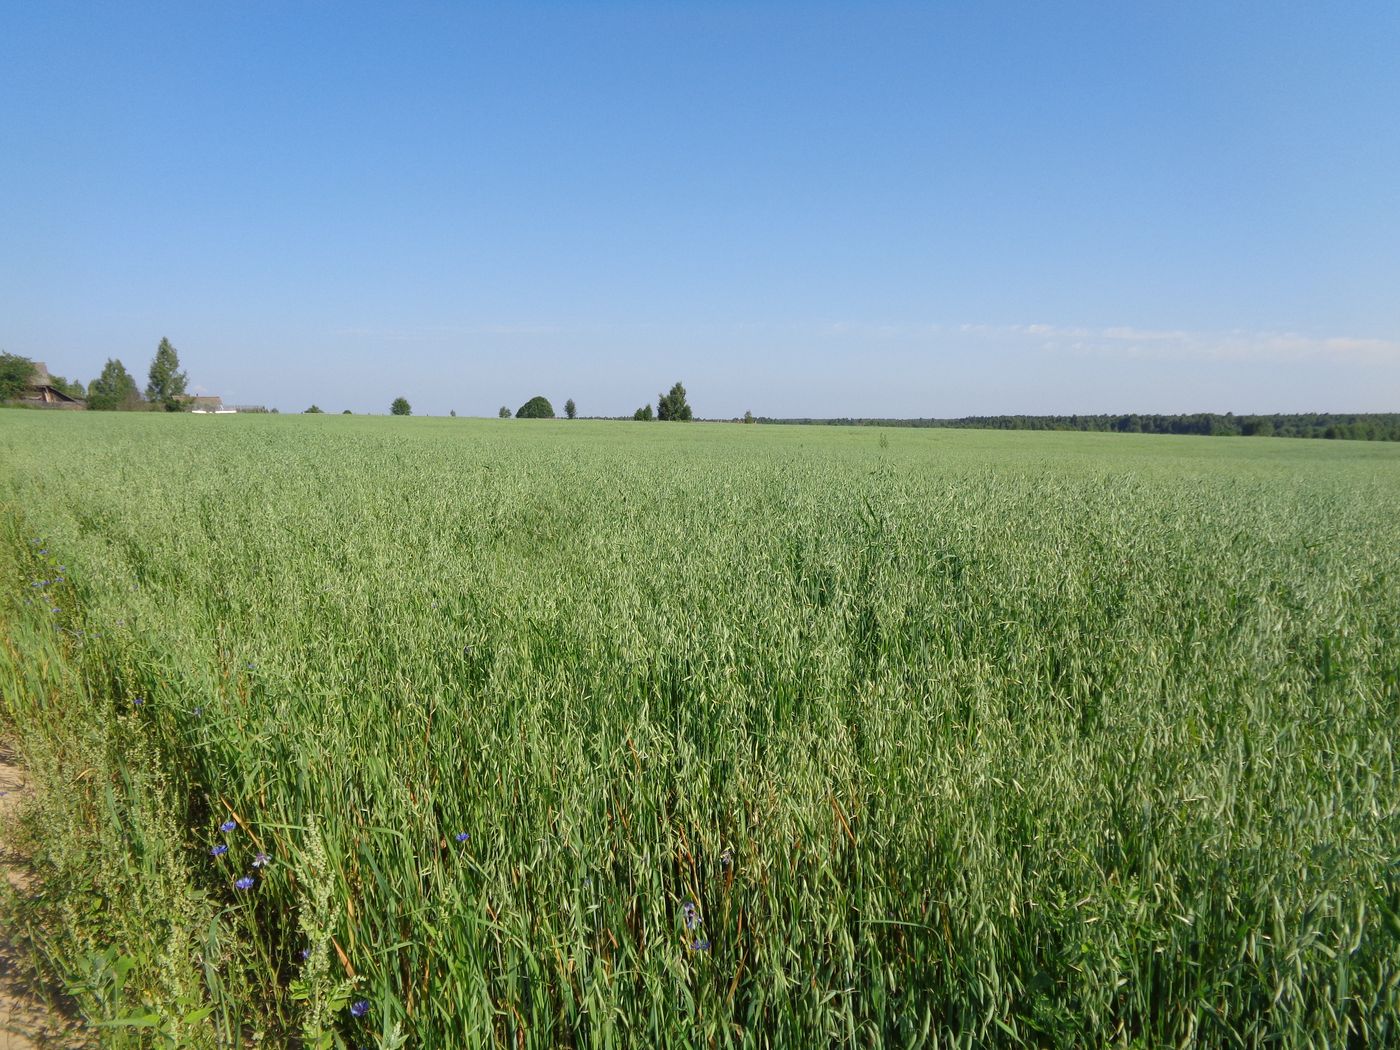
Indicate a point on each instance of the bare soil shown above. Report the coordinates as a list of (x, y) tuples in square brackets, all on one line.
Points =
[(26, 1022)]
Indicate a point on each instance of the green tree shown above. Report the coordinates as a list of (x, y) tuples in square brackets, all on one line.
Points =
[(453, 413), (347, 412), (537, 407), (167, 383), (748, 416), (570, 409), (15, 374), (401, 407), (643, 413), (73, 388), (672, 406), (114, 389), (504, 413), (314, 410)]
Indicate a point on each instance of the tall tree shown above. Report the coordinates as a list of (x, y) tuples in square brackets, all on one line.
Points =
[(571, 409), (504, 413), (113, 389), (167, 383), (538, 407), (643, 414), (16, 373), (401, 407), (672, 406)]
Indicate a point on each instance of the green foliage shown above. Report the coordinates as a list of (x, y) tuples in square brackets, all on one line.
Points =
[(166, 386), (537, 407), (748, 417), (673, 406), (401, 407), (1375, 426), (15, 374), (314, 410), (114, 389), (347, 412), (979, 739), (504, 413), (73, 388), (642, 414), (570, 409)]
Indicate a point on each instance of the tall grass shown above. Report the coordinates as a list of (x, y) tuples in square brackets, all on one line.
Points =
[(758, 738)]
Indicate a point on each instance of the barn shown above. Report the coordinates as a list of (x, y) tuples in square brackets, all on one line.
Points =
[(41, 391)]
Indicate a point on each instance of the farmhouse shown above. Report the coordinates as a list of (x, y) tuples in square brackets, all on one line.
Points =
[(211, 404), (41, 391)]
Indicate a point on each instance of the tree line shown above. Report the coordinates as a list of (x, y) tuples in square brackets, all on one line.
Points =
[(114, 389), (1366, 426)]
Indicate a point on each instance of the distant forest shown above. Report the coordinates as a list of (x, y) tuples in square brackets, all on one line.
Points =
[(1375, 426)]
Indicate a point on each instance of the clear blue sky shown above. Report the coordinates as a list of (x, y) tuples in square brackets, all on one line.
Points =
[(799, 209)]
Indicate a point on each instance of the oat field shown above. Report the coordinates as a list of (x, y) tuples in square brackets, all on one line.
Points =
[(433, 733)]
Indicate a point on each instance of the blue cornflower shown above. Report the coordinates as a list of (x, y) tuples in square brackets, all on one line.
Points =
[(137, 701), (245, 883), (461, 836), (219, 850), (44, 550), (261, 859), (53, 609), (305, 954), (700, 946), (359, 1008), (692, 916), (228, 825)]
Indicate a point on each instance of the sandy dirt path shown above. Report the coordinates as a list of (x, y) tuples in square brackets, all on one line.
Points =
[(26, 1023)]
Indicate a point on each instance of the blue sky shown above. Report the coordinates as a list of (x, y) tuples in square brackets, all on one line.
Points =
[(799, 209)]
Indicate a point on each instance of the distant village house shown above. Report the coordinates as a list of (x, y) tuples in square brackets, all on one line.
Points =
[(41, 391), (208, 404)]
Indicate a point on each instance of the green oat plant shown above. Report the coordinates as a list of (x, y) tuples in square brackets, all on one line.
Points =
[(424, 733)]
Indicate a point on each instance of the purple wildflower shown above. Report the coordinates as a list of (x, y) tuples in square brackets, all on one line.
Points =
[(228, 825), (462, 836), (245, 883), (261, 860), (692, 916), (305, 954), (700, 946), (359, 1008), (219, 850)]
